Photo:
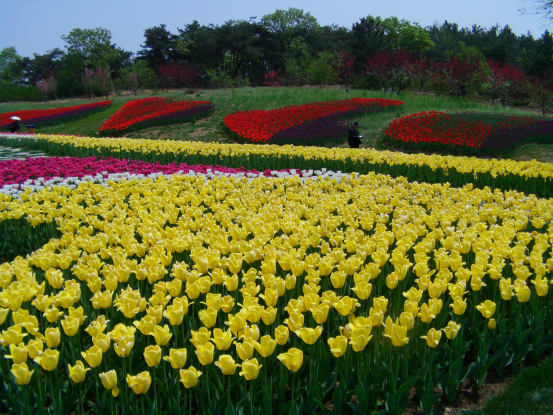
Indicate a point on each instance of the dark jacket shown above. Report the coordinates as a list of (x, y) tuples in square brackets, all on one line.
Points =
[(353, 138), (14, 126)]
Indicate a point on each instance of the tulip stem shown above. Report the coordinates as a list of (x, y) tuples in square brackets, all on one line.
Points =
[(81, 397)]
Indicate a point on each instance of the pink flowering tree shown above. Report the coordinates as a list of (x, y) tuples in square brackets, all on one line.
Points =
[(271, 78), (132, 80), (46, 87), (343, 65), (394, 69), (504, 82), (89, 80), (542, 94), (103, 81), (459, 74)]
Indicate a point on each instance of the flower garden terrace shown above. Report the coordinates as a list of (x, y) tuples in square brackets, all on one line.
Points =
[(530, 177), (369, 282)]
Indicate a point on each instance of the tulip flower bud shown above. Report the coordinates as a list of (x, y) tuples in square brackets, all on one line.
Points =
[(77, 373), (21, 373), (140, 384), (250, 369), (227, 364), (189, 377), (293, 359), (177, 358), (109, 380)]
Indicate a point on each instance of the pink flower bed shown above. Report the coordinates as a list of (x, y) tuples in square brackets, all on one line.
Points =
[(19, 171)]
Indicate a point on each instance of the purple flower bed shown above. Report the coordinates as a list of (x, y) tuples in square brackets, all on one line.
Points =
[(331, 128), (507, 139)]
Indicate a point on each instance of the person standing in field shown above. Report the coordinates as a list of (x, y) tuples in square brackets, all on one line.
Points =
[(354, 138)]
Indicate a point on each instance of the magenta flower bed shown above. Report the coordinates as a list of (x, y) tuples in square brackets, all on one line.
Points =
[(19, 171)]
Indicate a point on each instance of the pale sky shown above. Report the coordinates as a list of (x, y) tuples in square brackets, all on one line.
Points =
[(35, 26)]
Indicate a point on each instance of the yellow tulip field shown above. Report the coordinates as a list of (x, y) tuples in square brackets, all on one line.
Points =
[(255, 295)]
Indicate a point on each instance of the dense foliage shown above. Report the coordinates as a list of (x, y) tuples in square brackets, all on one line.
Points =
[(443, 58), (466, 133), (148, 112)]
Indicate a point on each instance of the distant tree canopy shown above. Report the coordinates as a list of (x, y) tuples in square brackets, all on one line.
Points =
[(290, 43)]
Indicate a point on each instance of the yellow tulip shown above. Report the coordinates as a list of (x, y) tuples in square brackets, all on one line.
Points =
[(294, 321), (205, 354), (246, 348), (140, 384), (70, 325), (338, 279), (309, 335), (293, 359), (320, 313), (363, 290), (189, 377), (208, 317), (109, 380), (433, 337), (162, 335), (4, 313), (200, 337), (102, 341), (231, 283), (250, 369), (174, 314), (459, 306), (266, 346), (222, 339), (97, 326), (177, 358), (34, 348), (18, 353), (346, 305), (407, 320), (21, 373), (48, 360), (451, 330), (93, 356), (523, 294), (227, 304), (52, 337), (425, 314), (281, 335), (380, 304), (397, 333), (227, 364), (491, 324), (251, 331), (77, 372), (290, 282), (152, 355), (269, 315), (487, 308), (338, 345), (360, 338)]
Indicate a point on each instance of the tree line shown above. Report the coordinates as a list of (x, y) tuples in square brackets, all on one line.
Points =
[(290, 48)]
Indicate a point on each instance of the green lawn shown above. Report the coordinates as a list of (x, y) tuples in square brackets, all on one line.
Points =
[(229, 100), (529, 393)]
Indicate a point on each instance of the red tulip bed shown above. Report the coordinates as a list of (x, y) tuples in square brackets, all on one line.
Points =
[(467, 132), (52, 115), (307, 124), (155, 111)]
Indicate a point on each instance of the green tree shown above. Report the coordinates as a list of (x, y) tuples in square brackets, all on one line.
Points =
[(404, 35), (8, 58), (320, 71), (160, 46), (92, 47)]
